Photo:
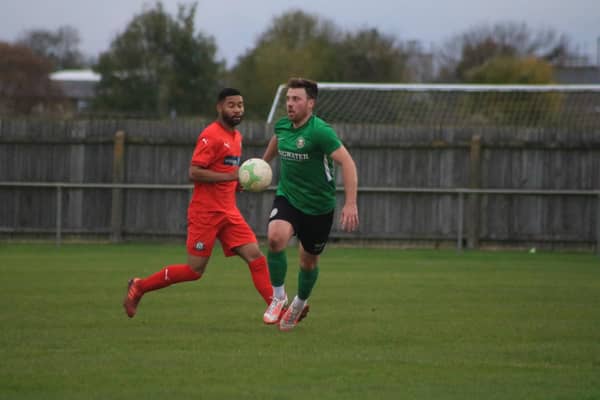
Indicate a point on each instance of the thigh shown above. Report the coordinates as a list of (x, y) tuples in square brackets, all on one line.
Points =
[(202, 233), (279, 234), (235, 232), (282, 210), (283, 221), (313, 232)]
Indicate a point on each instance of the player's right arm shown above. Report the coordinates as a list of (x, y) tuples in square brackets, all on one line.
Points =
[(199, 174), (271, 151)]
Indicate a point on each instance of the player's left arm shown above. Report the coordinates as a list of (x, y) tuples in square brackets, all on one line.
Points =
[(208, 150), (349, 217)]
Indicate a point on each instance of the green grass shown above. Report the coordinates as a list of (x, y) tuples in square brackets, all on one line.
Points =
[(385, 324)]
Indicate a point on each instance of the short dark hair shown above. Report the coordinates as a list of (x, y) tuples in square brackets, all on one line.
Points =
[(312, 90), (226, 92)]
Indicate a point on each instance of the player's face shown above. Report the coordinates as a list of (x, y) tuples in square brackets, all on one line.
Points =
[(231, 110), (299, 106)]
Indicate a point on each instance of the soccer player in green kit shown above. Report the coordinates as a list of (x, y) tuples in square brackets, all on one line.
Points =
[(305, 199)]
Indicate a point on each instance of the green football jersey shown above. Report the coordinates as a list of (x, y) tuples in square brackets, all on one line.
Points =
[(307, 177)]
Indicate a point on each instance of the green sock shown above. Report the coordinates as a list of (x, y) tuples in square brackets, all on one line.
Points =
[(277, 267), (306, 282)]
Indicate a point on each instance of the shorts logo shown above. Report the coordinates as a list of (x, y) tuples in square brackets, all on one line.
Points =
[(319, 246), (199, 246), (300, 143), (273, 212)]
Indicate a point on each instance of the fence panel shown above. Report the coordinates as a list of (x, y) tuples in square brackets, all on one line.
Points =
[(387, 157)]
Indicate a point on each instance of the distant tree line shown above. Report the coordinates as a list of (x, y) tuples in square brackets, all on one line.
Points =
[(161, 65)]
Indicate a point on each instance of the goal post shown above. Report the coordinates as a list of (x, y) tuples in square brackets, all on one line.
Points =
[(452, 104), (512, 164)]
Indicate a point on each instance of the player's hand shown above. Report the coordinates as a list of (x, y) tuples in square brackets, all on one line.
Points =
[(349, 217), (233, 176)]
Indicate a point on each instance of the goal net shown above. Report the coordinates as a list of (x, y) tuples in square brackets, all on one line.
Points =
[(453, 105)]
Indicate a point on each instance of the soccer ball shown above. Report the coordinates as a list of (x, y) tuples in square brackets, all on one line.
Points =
[(255, 175)]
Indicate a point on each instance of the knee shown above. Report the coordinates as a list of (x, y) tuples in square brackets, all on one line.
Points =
[(249, 252), (308, 264), (197, 265), (252, 257), (255, 253), (199, 269), (308, 261), (277, 242)]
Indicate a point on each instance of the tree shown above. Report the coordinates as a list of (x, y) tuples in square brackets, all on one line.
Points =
[(60, 47), (25, 86), (480, 44), (506, 107), (369, 56), (159, 65), (515, 70), (301, 44), (296, 44)]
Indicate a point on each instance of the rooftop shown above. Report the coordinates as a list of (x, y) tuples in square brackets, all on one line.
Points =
[(77, 75)]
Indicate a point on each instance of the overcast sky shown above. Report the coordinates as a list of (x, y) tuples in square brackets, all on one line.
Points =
[(235, 24)]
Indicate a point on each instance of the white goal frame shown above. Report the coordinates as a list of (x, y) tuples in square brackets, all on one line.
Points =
[(422, 87)]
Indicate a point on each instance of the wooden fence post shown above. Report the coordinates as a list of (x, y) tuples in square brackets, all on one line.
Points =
[(117, 193), (598, 226), (474, 198)]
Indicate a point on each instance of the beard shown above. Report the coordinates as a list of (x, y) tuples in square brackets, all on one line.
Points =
[(231, 120), (296, 115)]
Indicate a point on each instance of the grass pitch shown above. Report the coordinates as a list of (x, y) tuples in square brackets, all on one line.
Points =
[(384, 324)]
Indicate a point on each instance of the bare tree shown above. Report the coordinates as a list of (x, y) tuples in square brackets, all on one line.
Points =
[(61, 47), (513, 39)]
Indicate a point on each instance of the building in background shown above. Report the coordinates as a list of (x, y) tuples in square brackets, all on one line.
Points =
[(420, 63), (579, 70), (78, 87), (577, 74)]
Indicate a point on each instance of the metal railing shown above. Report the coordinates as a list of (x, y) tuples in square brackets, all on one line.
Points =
[(460, 192)]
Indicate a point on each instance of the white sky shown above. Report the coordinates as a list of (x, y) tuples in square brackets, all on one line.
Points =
[(236, 24)]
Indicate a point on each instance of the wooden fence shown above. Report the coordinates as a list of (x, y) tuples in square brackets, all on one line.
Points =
[(409, 179)]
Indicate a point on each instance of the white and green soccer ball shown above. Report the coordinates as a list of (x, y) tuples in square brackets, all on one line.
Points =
[(255, 175)]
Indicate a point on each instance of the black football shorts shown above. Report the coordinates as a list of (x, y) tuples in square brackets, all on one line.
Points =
[(312, 230)]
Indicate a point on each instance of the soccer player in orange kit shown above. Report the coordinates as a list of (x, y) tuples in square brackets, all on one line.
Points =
[(213, 211)]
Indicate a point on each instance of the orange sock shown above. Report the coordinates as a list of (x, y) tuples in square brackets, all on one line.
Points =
[(261, 279), (167, 276)]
